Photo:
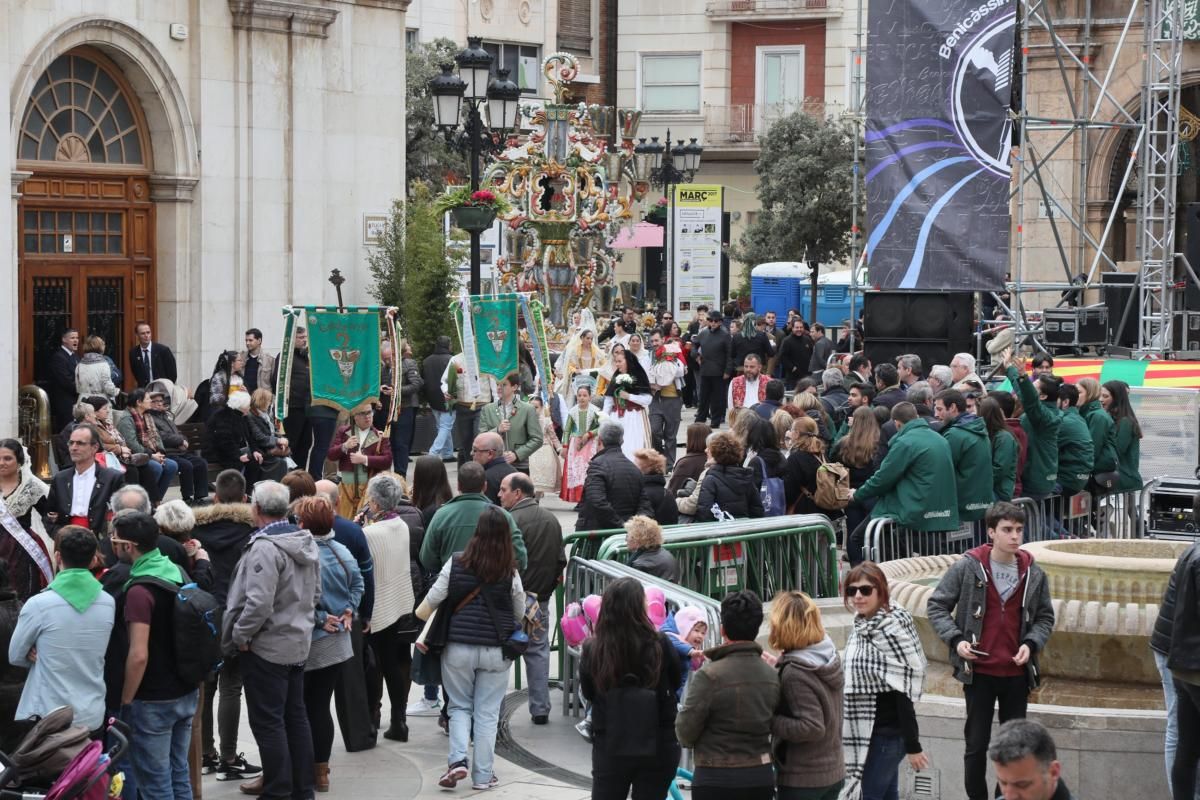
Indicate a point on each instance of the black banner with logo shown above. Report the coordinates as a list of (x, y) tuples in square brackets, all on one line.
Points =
[(939, 88)]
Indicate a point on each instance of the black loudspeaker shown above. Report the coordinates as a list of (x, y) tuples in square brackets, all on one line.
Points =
[(1117, 288), (1191, 234), (932, 326), (1186, 331)]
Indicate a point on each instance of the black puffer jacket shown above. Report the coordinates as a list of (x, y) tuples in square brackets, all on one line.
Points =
[(662, 504), (732, 488), (224, 530), (227, 438), (612, 492), (474, 623)]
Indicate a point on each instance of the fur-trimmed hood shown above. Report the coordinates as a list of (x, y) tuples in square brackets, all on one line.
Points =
[(224, 529), (224, 512)]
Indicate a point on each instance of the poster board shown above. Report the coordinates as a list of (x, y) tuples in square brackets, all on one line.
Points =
[(697, 217)]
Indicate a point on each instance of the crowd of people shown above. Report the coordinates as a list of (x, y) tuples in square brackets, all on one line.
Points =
[(335, 590), (803, 721)]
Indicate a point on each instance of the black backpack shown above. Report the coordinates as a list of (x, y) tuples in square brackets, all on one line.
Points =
[(196, 629)]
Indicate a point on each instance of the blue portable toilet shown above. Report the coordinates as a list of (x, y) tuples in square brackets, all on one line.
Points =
[(777, 286), (833, 296)]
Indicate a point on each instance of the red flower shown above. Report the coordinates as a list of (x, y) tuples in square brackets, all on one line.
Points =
[(483, 196)]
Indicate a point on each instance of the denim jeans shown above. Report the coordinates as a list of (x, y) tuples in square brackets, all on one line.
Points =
[(162, 734), (1172, 739), (475, 678), (881, 772), (537, 666), (161, 476), (443, 445)]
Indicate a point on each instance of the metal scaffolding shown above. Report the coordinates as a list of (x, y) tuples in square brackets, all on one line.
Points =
[(1159, 167)]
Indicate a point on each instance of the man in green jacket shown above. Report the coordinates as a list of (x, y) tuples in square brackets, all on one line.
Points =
[(516, 421), (1040, 422), (971, 450), (454, 523), (1076, 454), (915, 483)]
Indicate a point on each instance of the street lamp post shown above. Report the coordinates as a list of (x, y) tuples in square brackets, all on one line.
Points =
[(667, 166), (473, 85)]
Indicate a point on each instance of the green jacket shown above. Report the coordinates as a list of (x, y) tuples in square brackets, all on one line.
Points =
[(1041, 421), (915, 483), (453, 526), (1004, 465), (1129, 454), (524, 437), (971, 451), (1075, 454), (1104, 436)]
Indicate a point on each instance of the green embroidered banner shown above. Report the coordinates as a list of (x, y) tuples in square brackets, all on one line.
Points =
[(344, 357), (494, 325)]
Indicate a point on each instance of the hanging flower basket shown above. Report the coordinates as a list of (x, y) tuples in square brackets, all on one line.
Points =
[(474, 212), (474, 219), (658, 212)]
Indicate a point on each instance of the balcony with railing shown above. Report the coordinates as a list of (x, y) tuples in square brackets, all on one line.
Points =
[(739, 126), (735, 10)]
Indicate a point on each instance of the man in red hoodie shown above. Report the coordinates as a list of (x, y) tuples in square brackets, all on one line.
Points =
[(993, 610)]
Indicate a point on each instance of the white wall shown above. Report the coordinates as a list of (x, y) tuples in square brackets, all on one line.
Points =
[(270, 145)]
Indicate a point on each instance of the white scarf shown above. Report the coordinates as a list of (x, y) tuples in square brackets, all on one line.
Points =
[(883, 654)]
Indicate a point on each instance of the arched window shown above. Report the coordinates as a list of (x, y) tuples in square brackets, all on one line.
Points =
[(79, 113)]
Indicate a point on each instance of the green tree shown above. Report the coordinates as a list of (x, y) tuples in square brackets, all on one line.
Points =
[(413, 271), (805, 187), (428, 157)]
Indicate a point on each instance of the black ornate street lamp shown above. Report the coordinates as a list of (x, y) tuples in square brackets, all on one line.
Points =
[(667, 165), (473, 85)]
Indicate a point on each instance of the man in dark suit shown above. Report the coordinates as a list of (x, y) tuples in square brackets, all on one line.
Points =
[(79, 494), (612, 490), (716, 368), (62, 378), (150, 360)]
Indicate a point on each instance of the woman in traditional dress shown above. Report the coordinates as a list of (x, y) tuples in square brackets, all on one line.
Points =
[(627, 399), (580, 355), (637, 348), (579, 433), (543, 463), (605, 374), (29, 566)]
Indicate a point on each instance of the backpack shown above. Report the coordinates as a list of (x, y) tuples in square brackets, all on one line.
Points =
[(833, 486), (195, 629), (771, 493)]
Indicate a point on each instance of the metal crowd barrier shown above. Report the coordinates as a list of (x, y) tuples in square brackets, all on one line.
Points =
[(767, 555), (590, 576), (1089, 516), (1080, 516)]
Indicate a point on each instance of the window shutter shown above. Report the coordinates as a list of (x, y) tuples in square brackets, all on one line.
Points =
[(575, 26)]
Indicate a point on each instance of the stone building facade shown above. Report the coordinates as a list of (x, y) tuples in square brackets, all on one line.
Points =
[(194, 163)]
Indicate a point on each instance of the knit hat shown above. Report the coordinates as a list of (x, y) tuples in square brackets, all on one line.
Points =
[(686, 618)]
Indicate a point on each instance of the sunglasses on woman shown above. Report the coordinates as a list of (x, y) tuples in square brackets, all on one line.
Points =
[(866, 590)]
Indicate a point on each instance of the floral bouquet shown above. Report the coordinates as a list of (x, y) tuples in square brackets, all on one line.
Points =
[(624, 383)]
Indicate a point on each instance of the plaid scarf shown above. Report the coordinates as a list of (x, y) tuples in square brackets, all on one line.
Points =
[(147, 433), (883, 654)]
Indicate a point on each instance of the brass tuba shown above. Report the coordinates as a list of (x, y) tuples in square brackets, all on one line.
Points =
[(34, 426)]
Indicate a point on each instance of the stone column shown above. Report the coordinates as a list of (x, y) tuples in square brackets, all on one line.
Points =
[(10, 343)]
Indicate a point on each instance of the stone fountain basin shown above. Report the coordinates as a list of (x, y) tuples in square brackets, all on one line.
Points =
[(1105, 595)]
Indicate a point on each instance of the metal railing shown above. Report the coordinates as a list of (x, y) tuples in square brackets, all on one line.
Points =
[(1080, 516), (768, 555), (741, 124), (589, 576)]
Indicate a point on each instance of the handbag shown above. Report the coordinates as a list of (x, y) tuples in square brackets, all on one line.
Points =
[(408, 627), (137, 459), (517, 642), (1106, 481)]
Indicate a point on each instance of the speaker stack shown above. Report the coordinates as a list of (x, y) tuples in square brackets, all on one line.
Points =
[(932, 326)]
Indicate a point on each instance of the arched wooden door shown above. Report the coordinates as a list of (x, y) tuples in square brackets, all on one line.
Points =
[(85, 233)]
